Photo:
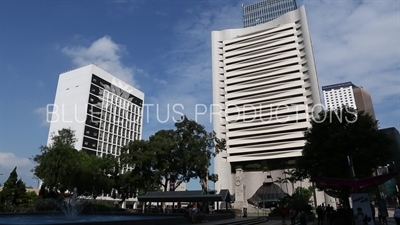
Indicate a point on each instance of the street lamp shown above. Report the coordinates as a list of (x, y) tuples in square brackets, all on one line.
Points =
[(0, 178)]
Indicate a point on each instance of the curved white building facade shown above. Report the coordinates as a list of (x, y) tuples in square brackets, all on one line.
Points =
[(265, 91)]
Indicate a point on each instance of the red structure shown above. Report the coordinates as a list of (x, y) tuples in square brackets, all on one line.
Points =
[(354, 185)]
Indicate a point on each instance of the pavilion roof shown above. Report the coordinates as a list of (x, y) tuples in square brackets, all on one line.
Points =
[(185, 196)]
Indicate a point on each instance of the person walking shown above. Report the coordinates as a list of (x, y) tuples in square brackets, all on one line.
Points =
[(292, 213), (320, 214), (397, 215), (373, 212), (283, 214), (303, 218), (382, 214)]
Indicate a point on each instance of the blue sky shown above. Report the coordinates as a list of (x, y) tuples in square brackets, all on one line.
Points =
[(163, 48)]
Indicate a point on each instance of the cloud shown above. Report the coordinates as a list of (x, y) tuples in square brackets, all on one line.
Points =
[(159, 13), (105, 53), (188, 67), (8, 161), (357, 41), (43, 113), (39, 84), (160, 81)]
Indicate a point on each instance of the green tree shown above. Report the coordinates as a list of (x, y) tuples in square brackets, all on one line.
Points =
[(198, 147), (290, 176), (336, 135), (14, 189), (333, 136), (139, 160), (90, 176), (169, 162), (58, 161)]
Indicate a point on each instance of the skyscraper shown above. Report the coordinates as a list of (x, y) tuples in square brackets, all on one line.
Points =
[(337, 95), (265, 11), (105, 112), (265, 90)]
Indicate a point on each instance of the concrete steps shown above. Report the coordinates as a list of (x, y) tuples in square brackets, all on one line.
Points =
[(250, 221)]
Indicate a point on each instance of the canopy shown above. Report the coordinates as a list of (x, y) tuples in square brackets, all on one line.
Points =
[(185, 196), (268, 192), (354, 185)]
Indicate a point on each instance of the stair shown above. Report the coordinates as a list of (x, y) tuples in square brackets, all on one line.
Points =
[(245, 222)]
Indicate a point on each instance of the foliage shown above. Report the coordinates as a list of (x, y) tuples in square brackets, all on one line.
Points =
[(57, 161), (300, 200), (169, 163), (333, 136), (198, 147), (14, 198), (14, 191), (61, 167), (173, 156), (169, 155), (138, 158), (90, 174)]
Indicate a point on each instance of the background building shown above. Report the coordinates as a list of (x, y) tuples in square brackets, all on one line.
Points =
[(394, 135), (265, 90), (337, 95), (105, 112), (265, 11), (393, 165)]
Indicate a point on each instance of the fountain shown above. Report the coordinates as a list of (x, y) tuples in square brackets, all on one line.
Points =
[(71, 206)]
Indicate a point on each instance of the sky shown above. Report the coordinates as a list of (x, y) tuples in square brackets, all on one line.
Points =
[(163, 48)]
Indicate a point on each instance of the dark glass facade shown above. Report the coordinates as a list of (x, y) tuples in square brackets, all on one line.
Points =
[(266, 10), (113, 118)]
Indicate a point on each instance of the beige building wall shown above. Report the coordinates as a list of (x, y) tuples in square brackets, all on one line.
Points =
[(363, 101)]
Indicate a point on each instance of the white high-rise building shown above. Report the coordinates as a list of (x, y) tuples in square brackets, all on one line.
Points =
[(265, 91), (105, 112), (337, 95)]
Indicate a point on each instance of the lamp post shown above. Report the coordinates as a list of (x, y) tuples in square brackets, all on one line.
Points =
[(0, 180)]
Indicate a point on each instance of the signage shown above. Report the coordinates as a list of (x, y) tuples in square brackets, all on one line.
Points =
[(362, 209)]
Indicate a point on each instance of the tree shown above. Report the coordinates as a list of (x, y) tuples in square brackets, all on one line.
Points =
[(14, 189), (169, 163), (61, 167), (338, 134), (139, 160), (58, 161), (333, 136), (198, 147), (290, 176), (89, 176)]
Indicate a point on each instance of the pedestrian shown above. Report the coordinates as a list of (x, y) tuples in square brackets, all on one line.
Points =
[(303, 218), (323, 212), (373, 212), (320, 214), (382, 214), (245, 212), (397, 215), (292, 213), (283, 214)]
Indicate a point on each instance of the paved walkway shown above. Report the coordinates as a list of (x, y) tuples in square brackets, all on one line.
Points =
[(390, 221)]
